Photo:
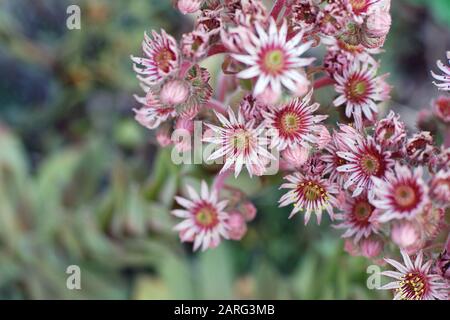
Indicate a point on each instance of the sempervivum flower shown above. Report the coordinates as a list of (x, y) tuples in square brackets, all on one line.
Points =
[(414, 281), (440, 187), (420, 148), (309, 193), (273, 59), (195, 44), (294, 123), (364, 160), (358, 218), (304, 14), (153, 111), (240, 143), (390, 131), (444, 78), (359, 89), (441, 108), (252, 108), (205, 221), (332, 18), (162, 58), (402, 194)]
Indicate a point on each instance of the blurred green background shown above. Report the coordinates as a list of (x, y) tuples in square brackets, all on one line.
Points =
[(81, 183)]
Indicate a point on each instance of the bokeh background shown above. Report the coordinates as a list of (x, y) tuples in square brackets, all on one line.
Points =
[(81, 183)]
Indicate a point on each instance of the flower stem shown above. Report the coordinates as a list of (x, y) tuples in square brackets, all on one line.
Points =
[(216, 105), (323, 82), (276, 9), (216, 49)]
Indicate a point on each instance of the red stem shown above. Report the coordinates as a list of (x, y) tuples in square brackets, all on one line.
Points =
[(216, 49), (276, 9), (323, 82)]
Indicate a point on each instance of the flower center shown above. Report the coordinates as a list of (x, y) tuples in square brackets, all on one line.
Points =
[(357, 89), (206, 216), (312, 191), (241, 140), (273, 61), (405, 196), (290, 122), (163, 59), (362, 211), (412, 286), (370, 164)]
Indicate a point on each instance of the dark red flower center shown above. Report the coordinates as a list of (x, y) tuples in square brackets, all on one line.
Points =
[(163, 58)]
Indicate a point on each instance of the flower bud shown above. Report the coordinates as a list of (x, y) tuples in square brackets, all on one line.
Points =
[(174, 92), (371, 247), (237, 226), (248, 210), (406, 236), (378, 24)]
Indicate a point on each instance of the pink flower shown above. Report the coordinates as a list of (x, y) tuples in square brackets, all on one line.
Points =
[(176, 98), (240, 143), (324, 137), (204, 218), (332, 18), (162, 58), (153, 112), (402, 194), (273, 60), (371, 247), (390, 131), (444, 78), (364, 159), (415, 281), (252, 109), (311, 194), (237, 226), (359, 90), (195, 44), (294, 124), (296, 156), (420, 148), (189, 6), (358, 218)]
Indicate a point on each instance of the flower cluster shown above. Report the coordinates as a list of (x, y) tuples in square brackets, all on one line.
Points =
[(377, 182)]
